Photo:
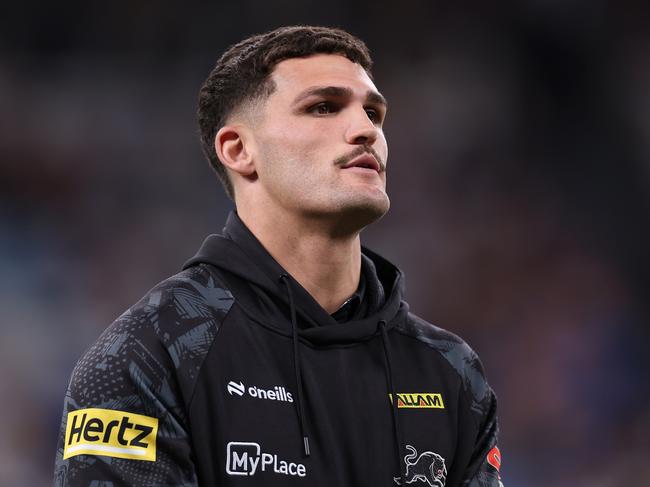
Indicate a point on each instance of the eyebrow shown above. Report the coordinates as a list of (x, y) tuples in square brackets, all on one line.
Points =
[(339, 92)]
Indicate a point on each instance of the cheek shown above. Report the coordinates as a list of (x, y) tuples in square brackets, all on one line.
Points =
[(292, 145), (382, 146), (285, 162)]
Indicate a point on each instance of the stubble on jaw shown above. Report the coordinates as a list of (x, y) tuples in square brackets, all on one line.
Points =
[(357, 216)]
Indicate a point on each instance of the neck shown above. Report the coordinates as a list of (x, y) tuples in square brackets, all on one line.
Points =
[(324, 262)]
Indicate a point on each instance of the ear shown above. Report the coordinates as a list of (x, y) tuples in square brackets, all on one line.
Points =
[(231, 146)]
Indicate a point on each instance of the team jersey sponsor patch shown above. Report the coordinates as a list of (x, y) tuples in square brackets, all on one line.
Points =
[(494, 458), (110, 433), (419, 400), (246, 458)]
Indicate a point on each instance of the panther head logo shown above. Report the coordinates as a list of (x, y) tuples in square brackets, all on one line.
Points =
[(428, 467)]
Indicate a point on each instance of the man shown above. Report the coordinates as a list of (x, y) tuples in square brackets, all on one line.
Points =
[(283, 353)]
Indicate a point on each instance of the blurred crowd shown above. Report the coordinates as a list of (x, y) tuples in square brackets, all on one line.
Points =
[(519, 177)]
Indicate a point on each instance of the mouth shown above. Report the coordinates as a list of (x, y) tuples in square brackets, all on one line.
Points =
[(364, 161)]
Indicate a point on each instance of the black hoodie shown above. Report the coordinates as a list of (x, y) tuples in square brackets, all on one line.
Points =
[(231, 374)]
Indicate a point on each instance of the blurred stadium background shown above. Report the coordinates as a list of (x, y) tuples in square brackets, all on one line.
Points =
[(519, 176)]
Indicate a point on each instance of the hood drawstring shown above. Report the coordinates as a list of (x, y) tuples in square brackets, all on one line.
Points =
[(391, 389), (389, 376), (296, 364)]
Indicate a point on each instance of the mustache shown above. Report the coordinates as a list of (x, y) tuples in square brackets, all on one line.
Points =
[(362, 149)]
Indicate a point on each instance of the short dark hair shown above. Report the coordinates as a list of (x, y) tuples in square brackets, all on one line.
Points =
[(243, 72)]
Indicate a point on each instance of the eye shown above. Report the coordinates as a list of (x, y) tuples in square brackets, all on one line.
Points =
[(323, 108), (373, 115)]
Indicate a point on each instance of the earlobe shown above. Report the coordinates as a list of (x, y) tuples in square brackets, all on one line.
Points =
[(230, 145)]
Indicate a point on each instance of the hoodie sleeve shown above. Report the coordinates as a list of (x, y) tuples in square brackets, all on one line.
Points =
[(124, 416), (484, 466), (484, 458), (478, 459)]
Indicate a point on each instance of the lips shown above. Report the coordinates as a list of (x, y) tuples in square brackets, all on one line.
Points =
[(365, 161)]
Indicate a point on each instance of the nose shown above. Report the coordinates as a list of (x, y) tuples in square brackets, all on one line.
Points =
[(361, 129)]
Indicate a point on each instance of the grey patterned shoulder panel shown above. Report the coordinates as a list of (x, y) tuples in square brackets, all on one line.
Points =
[(147, 363), (460, 356)]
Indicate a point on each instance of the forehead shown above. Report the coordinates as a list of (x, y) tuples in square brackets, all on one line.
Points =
[(295, 74)]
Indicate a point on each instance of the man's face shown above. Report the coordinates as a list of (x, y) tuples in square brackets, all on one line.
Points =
[(320, 150)]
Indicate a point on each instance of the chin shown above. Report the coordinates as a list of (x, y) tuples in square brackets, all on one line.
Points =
[(345, 212), (359, 213)]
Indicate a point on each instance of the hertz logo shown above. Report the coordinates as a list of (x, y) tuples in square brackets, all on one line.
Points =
[(110, 433), (419, 400)]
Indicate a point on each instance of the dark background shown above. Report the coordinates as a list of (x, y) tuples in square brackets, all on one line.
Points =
[(519, 174)]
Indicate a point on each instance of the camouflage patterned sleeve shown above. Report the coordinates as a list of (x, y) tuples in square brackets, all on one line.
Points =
[(125, 412), (478, 413), (483, 470), (485, 459)]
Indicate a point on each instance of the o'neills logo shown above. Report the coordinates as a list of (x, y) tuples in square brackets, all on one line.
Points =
[(247, 458), (277, 393), (418, 400), (110, 433)]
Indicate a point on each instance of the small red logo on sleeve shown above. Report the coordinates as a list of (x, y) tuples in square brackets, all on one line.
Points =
[(494, 458)]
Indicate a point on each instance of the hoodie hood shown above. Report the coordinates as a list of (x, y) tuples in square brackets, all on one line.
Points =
[(248, 266)]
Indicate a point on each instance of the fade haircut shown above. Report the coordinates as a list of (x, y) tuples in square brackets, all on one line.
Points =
[(243, 74)]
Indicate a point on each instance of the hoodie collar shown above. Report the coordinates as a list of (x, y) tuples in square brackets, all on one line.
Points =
[(239, 253), (237, 231), (353, 306)]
